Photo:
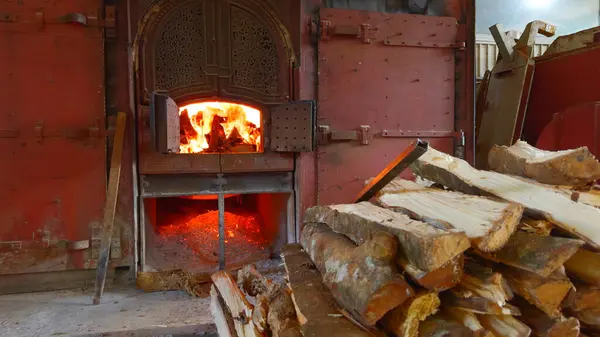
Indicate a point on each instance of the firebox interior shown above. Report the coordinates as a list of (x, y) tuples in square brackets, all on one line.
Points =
[(184, 231), (220, 127)]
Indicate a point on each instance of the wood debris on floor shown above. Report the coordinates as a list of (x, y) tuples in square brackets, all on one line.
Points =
[(479, 253)]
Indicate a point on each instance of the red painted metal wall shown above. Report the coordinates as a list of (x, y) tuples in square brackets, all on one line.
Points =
[(52, 154)]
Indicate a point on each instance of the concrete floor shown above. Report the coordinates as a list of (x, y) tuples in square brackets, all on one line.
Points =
[(123, 311)]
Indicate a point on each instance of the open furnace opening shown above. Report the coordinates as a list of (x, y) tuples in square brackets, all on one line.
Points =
[(183, 232), (220, 127)]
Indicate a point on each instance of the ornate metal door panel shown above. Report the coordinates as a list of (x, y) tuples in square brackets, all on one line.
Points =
[(384, 79), (52, 150)]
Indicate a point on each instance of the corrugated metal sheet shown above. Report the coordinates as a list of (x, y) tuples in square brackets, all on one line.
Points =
[(486, 52)]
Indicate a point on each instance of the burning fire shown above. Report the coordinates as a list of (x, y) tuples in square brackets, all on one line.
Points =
[(219, 127), (243, 234)]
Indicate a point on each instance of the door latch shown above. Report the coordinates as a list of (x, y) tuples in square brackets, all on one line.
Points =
[(326, 135)]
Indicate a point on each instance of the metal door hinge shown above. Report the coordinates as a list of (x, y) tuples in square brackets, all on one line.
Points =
[(326, 135), (328, 30)]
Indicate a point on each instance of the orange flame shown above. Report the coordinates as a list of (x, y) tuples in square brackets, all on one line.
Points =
[(219, 127)]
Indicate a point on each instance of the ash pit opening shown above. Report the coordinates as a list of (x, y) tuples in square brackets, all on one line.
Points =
[(183, 232)]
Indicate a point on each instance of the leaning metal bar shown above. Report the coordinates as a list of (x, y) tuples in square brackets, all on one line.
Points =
[(221, 206), (408, 156)]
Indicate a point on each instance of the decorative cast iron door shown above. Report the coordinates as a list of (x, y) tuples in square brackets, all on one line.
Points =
[(384, 80), (52, 148)]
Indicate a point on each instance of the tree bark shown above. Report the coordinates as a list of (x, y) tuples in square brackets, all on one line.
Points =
[(487, 223), (440, 279), (316, 308), (578, 219), (426, 247), (363, 279), (404, 320), (567, 167), (535, 253)]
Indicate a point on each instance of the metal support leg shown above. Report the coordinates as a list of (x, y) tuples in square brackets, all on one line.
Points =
[(221, 231)]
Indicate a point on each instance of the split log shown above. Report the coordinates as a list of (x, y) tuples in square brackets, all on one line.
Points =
[(533, 226), (588, 317), (578, 219), (504, 326), (476, 304), (487, 223), (260, 312), (567, 167), (544, 293), (585, 265), (438, 326), (479, 281), (584, 296), (315, 306), (543, 325), (589, 195), (236, 302), (440, 279), (404, 320), (535, 253), (222, 317), (282, 315), (468, 320), (252, 281), (426, 247), (363, 279)]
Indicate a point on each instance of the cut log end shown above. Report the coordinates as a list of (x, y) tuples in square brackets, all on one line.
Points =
[(440, 279), (404, 320)]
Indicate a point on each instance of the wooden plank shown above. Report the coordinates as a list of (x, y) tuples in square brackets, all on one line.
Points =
[(578, 219), (487, 223), (566, 167), (585, 265), (535, 253), (316, 308), (404, 320), (426, 247), (392, 170), (110, 209), (363, 279), (439, 279)]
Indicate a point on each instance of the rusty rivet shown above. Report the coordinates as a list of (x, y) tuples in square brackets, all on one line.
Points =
[(415, 80)]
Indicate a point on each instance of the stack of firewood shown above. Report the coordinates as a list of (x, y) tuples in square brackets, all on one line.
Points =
[(508, 252)]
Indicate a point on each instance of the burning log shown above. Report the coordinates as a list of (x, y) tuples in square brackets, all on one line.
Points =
[(488, 223), (186, 129), (216, 138), (426, 247), (315, 308), (543, 325), (365, 280), (578, 219), (585, 265), (568, 167), (545, 293), (439, 279), (404, 320), (505, 326), (537, 254), (234, 137)]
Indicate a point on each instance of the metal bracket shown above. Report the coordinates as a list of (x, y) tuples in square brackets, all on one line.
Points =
[(401, 41), (90, 132), (326, 135), (328, 30)]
